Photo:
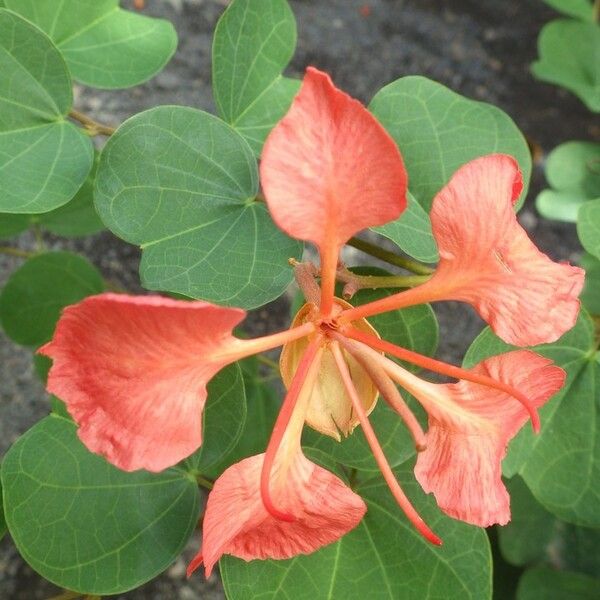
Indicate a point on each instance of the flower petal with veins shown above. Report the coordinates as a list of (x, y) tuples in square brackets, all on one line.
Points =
[(133, 373), (237, 523)]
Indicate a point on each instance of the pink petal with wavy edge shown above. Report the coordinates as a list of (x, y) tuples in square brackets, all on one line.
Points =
[(469, 428), (329, 169), (133, 373), (487, 259), (237, 523)]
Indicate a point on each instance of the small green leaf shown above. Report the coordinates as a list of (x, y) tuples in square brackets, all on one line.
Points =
[(536, 536), (559, 206), (575, 166), (548, 584), (383, 557), (590, 296), (36, 293), (438, 131), (568, 56), (181, 184), (580, 9), (84, 524), (223, 420), (560, 465), (49, 157), (104, 45), (588, 227), (253, 43), (412, 232)]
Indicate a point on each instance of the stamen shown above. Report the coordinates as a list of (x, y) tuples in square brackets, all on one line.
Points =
[(384, 466), (387, 388), (445, 369), (305, 376)]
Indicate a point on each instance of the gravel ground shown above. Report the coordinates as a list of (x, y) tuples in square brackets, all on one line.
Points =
[(480, 48)]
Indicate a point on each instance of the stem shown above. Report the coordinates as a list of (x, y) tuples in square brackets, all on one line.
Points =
[(17, 252), (305, 274), (304, 376), (387, 388), (378, 453), (205, 483), (390, 257), (272, 364), (439, 367), (93, 127), (356, 282)]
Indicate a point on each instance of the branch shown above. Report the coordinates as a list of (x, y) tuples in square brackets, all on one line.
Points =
[(91, 126)]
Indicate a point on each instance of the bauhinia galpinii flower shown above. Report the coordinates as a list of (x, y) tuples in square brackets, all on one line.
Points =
[(133, 371)]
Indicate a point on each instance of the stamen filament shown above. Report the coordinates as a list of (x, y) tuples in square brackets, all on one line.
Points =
[(384, 466), (387, 388), (305, 376), (445, 369)]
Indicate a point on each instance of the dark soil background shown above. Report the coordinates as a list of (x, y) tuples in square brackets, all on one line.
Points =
[(480, 48)]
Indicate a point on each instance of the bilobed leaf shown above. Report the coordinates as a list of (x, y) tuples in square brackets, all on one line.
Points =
[(253, 43), (223, 420), (568, 56), (412, 232), (560, 465), (550, 584), (588, 227), (575, 166), (580, 9), (36, 293), (43, 158), (182, 184), (590, 296), (104, 45), (383, 558), (84, 524), (536, 536), (437, 131), (2, 519)]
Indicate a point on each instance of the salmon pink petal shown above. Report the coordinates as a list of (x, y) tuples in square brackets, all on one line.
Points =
[(469, 428), (237, 523), (133, 373), (487, 259), (329, 170)]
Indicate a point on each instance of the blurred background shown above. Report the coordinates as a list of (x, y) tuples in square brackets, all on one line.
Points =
[(480, 48)]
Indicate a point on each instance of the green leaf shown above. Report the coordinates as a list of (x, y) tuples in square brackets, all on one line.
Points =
[(104, 46), (2, 519), (591, 290), (11, 225), (383, 558), (580, 9), (588, 227), (536, 536), (548, 584), (84, 524), (559, 206), (253, 43), (49, 157), (36, 293), (438, 131), (181, 184), (561, 465), (575, 166), (412, 232), (415, 328), (568, 56), (223, 420)]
